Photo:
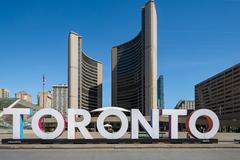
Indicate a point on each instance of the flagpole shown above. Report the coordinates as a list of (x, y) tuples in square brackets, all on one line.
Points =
[(43, 87)]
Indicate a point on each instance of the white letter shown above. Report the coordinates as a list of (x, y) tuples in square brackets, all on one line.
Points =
[(173, 120), (43, 135), (213, 124), (137, 117), (120, 115), (80, 125), (18, 124)]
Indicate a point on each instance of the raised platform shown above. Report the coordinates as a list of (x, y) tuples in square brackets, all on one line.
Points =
[(110, 141)]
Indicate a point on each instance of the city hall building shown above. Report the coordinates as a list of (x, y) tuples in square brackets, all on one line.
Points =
[(134, 66), (84, 77)]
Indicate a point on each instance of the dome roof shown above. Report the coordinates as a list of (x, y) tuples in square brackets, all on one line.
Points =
[(106, 108)]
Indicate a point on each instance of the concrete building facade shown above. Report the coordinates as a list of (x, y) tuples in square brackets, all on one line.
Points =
[(23, 95), (134, 66), (4, 93), (84, 77), (221, 93), (45, 99), (160, 92), (60, 98)]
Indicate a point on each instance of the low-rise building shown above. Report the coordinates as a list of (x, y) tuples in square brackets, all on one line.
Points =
[(45, 99), (6, 120), (186, 104), (23, 95), (4, 93)]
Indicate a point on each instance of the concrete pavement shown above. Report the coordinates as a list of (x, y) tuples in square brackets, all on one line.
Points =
[(122, 154), (118, 146)]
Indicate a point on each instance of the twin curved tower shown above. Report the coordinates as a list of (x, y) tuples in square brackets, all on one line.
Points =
[(134, 70), (84, 77), (134, 67)]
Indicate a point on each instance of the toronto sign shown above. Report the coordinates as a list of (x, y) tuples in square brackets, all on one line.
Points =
[(137, 119)]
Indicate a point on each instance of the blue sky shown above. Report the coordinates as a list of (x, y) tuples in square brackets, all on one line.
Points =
[(196, 39)]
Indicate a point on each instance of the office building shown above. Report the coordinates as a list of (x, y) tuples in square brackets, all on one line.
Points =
[(60, 98), (84, 77), (4, 93), (160, 92), (189, 105), (23, 95), (45, 99), (221, 94), (134, 66)]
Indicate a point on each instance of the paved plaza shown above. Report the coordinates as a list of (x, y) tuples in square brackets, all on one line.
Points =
[(121, 154)]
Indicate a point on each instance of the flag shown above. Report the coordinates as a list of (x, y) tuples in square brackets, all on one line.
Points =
[(43, 80)]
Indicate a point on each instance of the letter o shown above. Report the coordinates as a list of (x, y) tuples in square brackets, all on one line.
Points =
[(39, 132), (104, 115), (212, 120)]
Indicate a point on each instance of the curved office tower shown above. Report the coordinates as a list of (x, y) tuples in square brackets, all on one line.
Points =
[(84, 77), (134, 67)]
